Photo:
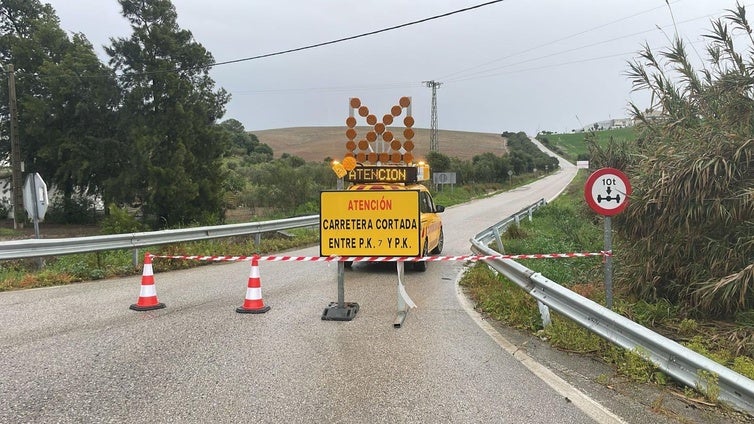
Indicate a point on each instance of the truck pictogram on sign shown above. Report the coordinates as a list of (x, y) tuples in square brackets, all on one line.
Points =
[(606, 191)]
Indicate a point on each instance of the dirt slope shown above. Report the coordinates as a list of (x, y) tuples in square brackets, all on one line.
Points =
[(317, 143)]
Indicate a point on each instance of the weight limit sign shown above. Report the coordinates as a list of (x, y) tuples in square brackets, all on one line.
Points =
[(606, 191)]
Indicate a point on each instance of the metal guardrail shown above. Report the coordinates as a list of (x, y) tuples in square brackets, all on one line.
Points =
[(683, 364), (30, 248)]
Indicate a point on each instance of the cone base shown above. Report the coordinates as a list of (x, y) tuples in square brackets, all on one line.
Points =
[(137, 307), (242, 310)]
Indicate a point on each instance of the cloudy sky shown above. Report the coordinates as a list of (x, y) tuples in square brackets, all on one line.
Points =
[(515, 65)]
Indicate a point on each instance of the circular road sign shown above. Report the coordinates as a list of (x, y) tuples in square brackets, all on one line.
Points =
[(606, 191)]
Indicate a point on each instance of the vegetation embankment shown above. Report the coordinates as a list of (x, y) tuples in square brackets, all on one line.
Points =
[(688, 235), (567, 225)]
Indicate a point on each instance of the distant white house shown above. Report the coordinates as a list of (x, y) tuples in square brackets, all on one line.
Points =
[(623, 123), (609, 124), (651, 115)]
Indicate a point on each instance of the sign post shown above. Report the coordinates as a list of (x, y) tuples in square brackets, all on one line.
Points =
[(606, 191)]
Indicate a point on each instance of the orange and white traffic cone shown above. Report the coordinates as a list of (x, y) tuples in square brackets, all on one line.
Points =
[(253, 304), (148, 294)]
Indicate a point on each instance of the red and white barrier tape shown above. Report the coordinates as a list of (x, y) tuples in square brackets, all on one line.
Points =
[(274, 258)]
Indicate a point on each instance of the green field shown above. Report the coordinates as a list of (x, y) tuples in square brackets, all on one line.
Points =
[(573, 144)]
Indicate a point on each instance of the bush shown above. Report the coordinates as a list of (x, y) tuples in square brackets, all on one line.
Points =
[(688, 231), (78, 209), (119, 221)]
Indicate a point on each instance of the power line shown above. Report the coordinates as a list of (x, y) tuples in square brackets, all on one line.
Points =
[(461, 75), (548, 66), (371, 87), (311, 46), (555, 65), (352, 37), (556, 41), (486, 73)]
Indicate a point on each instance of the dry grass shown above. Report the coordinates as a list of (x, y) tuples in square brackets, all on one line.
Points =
[(317, 143)]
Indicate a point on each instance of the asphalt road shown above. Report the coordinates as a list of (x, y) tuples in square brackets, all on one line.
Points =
[(78, 354)]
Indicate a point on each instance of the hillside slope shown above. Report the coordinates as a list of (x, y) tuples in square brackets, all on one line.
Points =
[(317, 143)]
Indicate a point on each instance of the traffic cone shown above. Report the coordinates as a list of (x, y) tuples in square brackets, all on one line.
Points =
[(253, 304), (148, 294)]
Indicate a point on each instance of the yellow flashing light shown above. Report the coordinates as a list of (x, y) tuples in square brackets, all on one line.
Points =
[(339, 169)]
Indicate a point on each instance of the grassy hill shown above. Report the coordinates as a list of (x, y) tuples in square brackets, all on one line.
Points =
[(573, 144), (316, 143)]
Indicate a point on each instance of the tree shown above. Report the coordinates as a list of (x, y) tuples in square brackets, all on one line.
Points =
[(525, 156), (66, 100), (438, 161), (262, 153), (169, 119), (30, 34), (287, 185), (75, 136), (689, 230), (239, 138)]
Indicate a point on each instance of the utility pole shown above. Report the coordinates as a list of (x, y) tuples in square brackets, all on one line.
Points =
[(15, 153), (433, 144)]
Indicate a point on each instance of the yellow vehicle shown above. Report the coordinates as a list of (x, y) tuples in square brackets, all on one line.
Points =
[(431, 237)]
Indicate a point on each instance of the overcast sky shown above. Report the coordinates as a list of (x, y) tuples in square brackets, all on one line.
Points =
[(517, 65)]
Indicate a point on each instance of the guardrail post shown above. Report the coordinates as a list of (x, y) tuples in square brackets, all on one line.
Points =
[(544, 312), (499, 240), (257, 239), (531, 210), (135, 258)]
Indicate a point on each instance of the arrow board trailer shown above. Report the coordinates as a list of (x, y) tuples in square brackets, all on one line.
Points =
[(370, 223)]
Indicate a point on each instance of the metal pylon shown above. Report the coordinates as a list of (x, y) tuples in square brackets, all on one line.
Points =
[(433, 143)]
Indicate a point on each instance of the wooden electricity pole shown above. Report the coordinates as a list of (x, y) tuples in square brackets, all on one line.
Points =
[(15, 155)]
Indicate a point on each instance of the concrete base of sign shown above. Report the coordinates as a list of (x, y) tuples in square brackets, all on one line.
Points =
[(337, 312)]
